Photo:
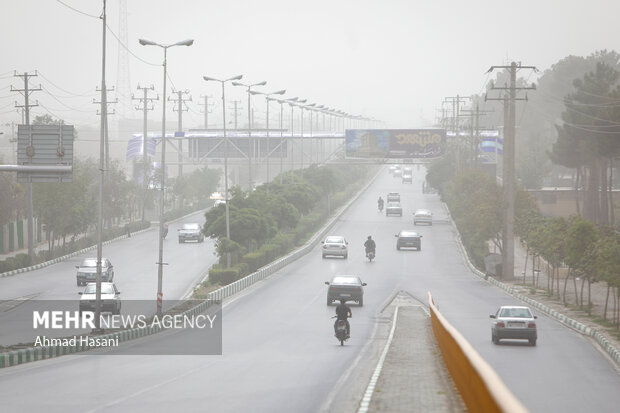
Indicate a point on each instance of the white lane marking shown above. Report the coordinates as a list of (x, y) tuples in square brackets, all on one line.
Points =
[(375, 376)]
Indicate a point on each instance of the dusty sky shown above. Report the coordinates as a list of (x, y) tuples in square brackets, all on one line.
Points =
[(394, 60)]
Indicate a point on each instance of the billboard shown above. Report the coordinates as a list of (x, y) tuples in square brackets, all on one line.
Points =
[(45, 146), (395, 143)]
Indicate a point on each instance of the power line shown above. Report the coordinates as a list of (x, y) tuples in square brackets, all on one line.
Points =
[(76, 10)]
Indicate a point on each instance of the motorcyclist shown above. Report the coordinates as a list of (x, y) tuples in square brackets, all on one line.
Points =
[(380, 203), (343, 312), (370, 245)]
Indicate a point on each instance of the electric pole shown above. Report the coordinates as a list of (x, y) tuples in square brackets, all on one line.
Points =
[(181, 107), (26, 110), (106, 130), (206, 110), (474, 124), (147, 104), (508, 174), (456, 108)]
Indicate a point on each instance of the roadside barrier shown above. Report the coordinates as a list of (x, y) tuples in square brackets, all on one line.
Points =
[(480, 387)]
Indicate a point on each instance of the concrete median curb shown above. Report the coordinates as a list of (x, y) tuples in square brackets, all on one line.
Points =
[(567, 321)]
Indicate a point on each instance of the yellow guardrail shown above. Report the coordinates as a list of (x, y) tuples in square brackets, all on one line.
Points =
[(480, 387)]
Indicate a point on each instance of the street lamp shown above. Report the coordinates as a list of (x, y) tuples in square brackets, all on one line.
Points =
[(160, 263), (226, 206), (267, 99), (281, 102), (299, 104), (250, 141), (310, 108)]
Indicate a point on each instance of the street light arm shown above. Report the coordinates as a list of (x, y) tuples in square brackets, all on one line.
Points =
[(207, 78), (145, 42), (238, 77), (187, 42)]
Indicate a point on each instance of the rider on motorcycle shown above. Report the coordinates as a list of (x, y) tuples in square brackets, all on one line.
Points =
[(343, 312), (370, 245), (380, 203)]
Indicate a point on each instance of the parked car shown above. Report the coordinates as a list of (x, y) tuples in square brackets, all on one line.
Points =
[(345, 287), (335, 246), (87, 271), (110, 298), (393, 197), (393, 208), (514, 322), (407, 179), (191, 232), (422, 216), (408, 239)]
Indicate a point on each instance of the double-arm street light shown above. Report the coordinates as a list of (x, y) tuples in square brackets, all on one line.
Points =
[(281, 102), (250, 141), (298, 103), (226, 206), (267, 99), (160, 263)]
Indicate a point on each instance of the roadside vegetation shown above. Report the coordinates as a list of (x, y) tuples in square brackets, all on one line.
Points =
[(269, 222)]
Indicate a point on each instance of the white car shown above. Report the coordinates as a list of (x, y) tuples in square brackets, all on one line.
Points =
[(514, 322), (335, 246), (110, 298), (422, 216)]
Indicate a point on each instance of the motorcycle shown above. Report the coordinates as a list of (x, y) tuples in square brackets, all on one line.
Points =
[(370, 255), (341, 331)]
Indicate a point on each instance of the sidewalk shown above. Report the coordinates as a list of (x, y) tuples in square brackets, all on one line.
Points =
[(414, 377)]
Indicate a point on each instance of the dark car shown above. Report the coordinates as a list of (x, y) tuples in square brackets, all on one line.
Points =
[(345, 287), (110, 298), (514, 322), (408, 239), (191, 232), (87, 271)]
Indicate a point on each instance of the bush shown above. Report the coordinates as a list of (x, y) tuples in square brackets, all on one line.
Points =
[(224, 276)]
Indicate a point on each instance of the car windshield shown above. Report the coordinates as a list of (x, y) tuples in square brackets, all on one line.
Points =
[(105, 289), (393, 204), (92, 263), (334, 240), (345, 280), (191, 226), (422, 212), (408, 234), (516, 312)]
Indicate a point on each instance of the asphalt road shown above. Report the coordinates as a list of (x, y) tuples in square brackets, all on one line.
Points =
[(279, 353), (135, 274)]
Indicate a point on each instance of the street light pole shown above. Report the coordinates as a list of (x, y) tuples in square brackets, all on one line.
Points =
[(226, 206), (250, 141), (160, 261), (267, 99)]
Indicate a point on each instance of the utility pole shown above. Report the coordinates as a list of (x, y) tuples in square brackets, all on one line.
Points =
[(236, 109), (474, 124), (147, 104), (456, 108), (508, 174), (106, 131), (180, 108), (206, 110), (26, 110)]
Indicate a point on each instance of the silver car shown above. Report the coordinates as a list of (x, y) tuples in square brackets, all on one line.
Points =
[(514, 322), (393, 208), (191, 232), (335, 246), (110, 298), (422, 216), (87, 271)]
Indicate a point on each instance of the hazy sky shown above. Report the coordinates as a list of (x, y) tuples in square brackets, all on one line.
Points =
[(394, 60)]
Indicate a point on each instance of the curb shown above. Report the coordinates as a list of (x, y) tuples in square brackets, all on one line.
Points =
[(605, 344)]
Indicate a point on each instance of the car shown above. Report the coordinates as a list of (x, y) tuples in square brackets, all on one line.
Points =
[(398, 172), (87, 271), (422, 216), (191, 232), (393, 197), (218, 202), (345, 287), (408, 239), (407, 170), (392, 168), (514, 322), (393, 208), (335, 246), (110, 298), (407, 179)]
